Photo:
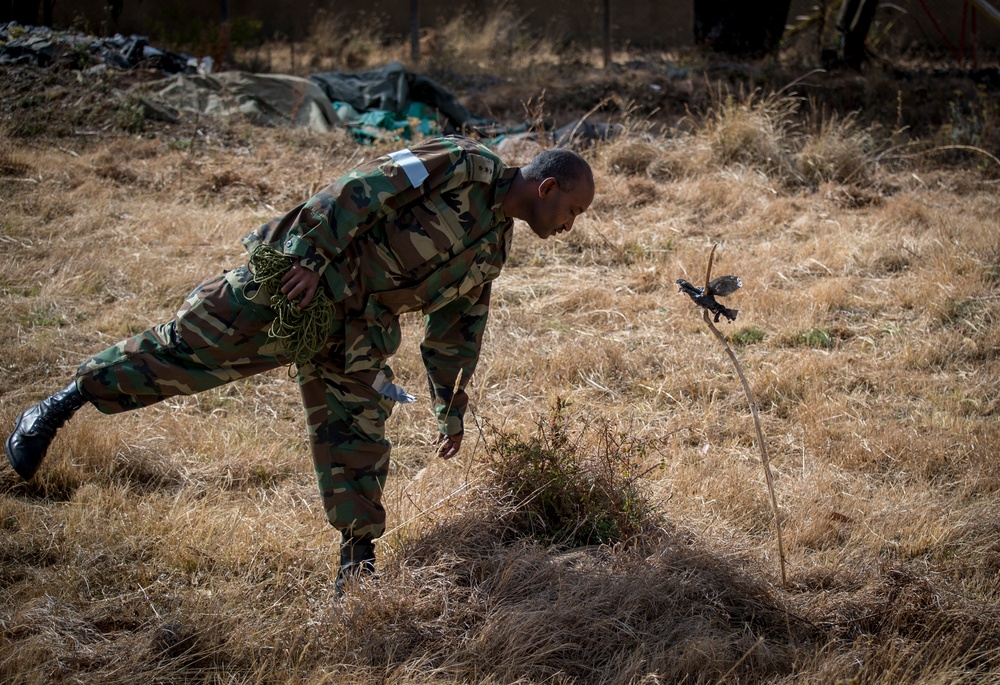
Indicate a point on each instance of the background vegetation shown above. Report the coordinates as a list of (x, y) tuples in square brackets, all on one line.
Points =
[(607, 521)]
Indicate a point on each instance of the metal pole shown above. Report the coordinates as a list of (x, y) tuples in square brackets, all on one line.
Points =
[(607, 33), (226, 52), (415, 31)]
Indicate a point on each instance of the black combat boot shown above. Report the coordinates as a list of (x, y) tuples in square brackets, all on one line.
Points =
[(27, 445), (357, 558)]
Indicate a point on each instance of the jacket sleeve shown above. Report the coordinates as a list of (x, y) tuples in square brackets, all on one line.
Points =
[(332, 218), (453, 336)]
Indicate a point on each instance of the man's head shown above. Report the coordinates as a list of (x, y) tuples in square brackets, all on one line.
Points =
[(559, 187)]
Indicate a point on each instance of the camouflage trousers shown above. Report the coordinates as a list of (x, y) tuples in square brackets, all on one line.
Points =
[(220, 335)]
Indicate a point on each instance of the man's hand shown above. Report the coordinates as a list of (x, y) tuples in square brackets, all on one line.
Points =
[(449, 445), (299, 280)]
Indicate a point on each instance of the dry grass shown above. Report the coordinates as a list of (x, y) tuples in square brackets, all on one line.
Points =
[(185, 543), (337, 43), (496, 42), (839, 152)]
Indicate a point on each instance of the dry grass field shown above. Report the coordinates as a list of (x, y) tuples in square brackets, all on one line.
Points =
[(608, 520)]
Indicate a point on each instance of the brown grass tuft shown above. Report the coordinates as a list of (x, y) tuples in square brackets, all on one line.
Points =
[(337, 43), (496, 41), (756, 132), (10, 163), (839, 152)]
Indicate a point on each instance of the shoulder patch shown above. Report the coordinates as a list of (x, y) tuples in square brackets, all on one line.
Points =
[(482, 168)]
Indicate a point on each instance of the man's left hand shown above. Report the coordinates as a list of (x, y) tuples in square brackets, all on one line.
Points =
[(449, 445)]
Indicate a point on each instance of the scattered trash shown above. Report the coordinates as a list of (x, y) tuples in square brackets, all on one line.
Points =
[(43, 47), (389, 103), (392, 88)]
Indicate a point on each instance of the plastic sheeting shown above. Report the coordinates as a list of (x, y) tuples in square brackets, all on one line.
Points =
[(386, 103), (269, 99), (41, 46), (393, 89)]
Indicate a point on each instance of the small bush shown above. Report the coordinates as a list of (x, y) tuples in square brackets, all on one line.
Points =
[(748, 336), (631, 155), (816, 338), (130, 115), (573, 492), (756, 132)]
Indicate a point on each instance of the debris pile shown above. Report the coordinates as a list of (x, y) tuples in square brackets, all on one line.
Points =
[(43, 47)]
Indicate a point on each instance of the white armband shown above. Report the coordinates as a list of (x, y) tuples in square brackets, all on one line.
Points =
[(413, 167)]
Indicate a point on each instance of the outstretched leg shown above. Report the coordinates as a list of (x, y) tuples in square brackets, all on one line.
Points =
[(219, 335)]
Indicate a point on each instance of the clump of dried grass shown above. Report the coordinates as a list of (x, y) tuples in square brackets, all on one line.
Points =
[(497, 42), (764, 133), (483, 594), (656, 158), (572, 490), (11, 164), (630, 155), (838, 152), (336, 43), (757, 131)]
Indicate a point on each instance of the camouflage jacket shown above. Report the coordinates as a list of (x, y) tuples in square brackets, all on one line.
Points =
[(417, 230)]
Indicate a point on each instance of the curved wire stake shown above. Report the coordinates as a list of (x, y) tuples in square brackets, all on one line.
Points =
[(756, 422)]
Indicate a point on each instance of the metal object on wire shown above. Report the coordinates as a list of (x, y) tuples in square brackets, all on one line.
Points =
[(705, 297)]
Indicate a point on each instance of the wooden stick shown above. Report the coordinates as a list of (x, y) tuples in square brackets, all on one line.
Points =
[(756, 422)]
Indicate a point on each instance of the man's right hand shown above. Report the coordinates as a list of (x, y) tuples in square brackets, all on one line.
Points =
[(297, 281), (449, 445)]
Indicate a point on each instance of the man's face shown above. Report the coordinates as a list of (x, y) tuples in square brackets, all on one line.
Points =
[(555, 210)]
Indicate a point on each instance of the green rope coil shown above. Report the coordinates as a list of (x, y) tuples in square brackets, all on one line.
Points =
[(306, 330)]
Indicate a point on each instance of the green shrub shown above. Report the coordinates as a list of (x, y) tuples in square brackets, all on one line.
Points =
[(817, 338), (974, 120), (748, 336), (42, 316), (573, 491), (130, 115)]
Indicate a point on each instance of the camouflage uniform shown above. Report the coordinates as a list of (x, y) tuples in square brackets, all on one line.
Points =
[(418, 230)]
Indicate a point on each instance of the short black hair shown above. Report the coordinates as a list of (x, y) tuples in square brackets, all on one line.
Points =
[(565, 166)]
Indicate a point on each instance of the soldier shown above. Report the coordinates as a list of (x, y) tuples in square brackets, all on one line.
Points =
[(422, 229)]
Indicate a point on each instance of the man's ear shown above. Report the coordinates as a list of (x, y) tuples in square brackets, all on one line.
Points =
[(547, 186)]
